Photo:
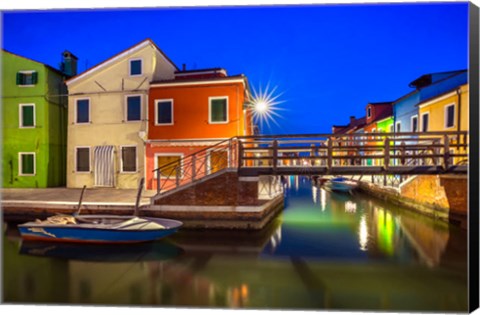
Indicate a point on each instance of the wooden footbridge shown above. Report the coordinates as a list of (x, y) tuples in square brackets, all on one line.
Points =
[(324, 154)]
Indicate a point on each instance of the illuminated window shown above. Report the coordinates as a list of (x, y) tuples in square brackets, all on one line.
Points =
[(170, 164)]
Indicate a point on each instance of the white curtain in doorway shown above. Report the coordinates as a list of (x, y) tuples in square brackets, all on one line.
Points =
[(104, 166)]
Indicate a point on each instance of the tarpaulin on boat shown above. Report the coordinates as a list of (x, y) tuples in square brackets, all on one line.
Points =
[(104, 166)]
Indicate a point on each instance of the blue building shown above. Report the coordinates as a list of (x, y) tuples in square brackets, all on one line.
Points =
[(405, 110)]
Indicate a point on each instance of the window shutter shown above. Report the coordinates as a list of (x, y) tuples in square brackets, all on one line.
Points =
[(19, 78), (27, 115), (34, 77)]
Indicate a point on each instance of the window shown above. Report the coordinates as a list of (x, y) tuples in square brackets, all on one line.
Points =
[(450, 116), (83, 111), (134, 108), (27, 78), (390, 128), (414, 123), (26, 163), (135, 67), (425, 117), (27, 115), (369, 112), (170, 170), (82, 159), (218, 110), (163, 112), (129, 159), (398, 126)]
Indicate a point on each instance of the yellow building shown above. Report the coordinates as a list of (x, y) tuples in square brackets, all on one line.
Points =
[(107, 117), (446, 112)]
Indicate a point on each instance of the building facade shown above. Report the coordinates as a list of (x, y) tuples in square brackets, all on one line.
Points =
[(107, 117), (194, 111), (34, 121)]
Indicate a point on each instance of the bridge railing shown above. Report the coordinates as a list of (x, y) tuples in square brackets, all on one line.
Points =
[(196, 166), (356, 154), (371, 149)]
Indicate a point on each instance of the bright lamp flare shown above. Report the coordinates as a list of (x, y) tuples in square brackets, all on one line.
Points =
[(264, 105)]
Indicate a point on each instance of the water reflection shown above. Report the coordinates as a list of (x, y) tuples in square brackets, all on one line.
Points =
[(356, 253)]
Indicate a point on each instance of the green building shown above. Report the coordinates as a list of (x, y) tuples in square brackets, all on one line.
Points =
[(34, 121)]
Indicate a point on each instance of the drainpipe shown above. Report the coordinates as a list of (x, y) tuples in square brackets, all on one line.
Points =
[(459, 101)]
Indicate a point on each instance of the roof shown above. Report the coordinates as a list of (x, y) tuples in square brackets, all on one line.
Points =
[(119, 55), (201, 80), (200, 70), (434, 77), (44, 64), (440, 95)]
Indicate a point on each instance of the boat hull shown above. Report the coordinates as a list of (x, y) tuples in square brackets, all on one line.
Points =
[(78, 233)]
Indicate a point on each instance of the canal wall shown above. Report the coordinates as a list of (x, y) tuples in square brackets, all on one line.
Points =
[(444, 197)]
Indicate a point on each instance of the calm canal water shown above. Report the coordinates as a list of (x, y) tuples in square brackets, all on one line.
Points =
[(325, 251)]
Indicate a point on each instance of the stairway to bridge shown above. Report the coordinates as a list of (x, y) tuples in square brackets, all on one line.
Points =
[(321, 154)]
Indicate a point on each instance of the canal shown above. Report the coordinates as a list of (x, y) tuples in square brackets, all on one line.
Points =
[(324, 251)]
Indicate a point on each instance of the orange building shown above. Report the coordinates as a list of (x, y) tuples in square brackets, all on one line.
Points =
[(195, 110)]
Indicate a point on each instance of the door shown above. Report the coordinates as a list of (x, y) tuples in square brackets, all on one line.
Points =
[(104, 168)]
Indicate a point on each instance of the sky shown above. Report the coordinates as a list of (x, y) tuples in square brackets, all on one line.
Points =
[(325, 62)]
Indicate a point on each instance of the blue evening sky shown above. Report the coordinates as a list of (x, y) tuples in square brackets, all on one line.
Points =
[(328, 61)]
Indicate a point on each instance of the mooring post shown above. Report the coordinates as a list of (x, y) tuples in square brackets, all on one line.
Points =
[(139, 194), (79, 207), (158, 180)]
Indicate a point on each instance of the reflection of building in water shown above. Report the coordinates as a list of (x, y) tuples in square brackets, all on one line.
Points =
[(392, 233), (315, 194), (429, 240), (33, 280), (350, 207)]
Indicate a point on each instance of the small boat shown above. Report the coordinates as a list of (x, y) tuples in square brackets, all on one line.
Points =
[(99, 228), (341, 184)]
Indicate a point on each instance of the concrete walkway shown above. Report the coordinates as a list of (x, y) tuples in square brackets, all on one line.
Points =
[(72, 195)]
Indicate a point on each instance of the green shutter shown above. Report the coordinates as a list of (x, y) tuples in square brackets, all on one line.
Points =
[(34, 77), (19, 78), (27, 116)]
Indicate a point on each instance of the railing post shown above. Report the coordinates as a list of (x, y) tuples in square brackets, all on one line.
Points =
[(402, 153), (177, 176), (229, 153), (275, 157), (240, 154), (446, 152), (329, 153), (158, 180), (194, 167), (386, 154)]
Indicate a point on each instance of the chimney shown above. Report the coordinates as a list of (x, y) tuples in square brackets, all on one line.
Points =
[(69, 64), (352, 120), (184, 67)]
